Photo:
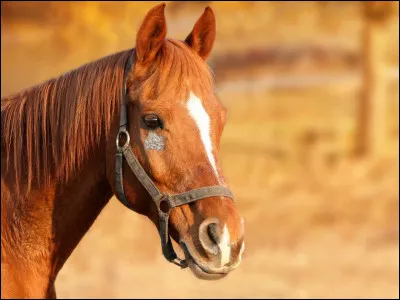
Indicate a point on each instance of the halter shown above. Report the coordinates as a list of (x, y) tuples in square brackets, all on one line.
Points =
[(163, 202)]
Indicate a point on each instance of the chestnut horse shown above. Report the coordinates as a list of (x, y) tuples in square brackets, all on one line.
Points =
[(60, 163)]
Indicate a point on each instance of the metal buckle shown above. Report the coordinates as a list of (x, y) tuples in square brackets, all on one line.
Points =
[(128, 138)]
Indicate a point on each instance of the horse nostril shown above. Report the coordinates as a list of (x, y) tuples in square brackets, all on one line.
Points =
[(213, 233), (209, 235)]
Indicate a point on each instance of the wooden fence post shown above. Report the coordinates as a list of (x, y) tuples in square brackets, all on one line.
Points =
[(372, 127)]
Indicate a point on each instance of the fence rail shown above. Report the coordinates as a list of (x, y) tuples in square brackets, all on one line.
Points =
[(297, 81)]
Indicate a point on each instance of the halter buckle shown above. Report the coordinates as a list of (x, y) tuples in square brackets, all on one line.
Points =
[(128, 138)]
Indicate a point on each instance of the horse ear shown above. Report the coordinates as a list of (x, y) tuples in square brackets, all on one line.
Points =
[(202, 37), (151, 34)]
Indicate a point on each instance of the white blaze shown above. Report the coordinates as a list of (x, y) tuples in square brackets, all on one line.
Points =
[(202, 120), (200, 116), (225, 247)]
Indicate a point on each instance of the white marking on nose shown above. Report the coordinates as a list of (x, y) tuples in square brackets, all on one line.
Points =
[(200, 116), (225, 247), (241, 247), (241, 250), (240, 256)]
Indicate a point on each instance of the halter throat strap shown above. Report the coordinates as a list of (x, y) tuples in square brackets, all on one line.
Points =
[(163, 202)]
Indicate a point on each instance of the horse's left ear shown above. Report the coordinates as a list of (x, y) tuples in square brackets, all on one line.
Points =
[(202, 37)]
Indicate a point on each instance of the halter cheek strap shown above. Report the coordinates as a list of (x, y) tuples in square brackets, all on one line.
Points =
[(163, 202)]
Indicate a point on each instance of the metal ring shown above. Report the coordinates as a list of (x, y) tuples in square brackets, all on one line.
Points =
[(164, 198), (128, 138)]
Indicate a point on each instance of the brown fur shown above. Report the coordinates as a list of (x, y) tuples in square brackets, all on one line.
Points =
[(58, 146)]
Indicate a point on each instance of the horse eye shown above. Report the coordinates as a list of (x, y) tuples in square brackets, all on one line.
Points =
[(152, 121)]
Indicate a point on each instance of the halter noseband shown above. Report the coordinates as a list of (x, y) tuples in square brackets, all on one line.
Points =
[(160, 199)]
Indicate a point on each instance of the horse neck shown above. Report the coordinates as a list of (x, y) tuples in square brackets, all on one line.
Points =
[(40, 230)]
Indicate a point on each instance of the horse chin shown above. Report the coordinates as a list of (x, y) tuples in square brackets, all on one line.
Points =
[(201, 274), (199, 271)]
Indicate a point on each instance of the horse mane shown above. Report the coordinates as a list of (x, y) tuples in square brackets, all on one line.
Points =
[(48, 130)]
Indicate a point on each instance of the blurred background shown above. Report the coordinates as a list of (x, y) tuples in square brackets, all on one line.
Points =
[(310, 147)]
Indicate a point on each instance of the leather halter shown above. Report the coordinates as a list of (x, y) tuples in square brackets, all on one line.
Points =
[(163, 202)]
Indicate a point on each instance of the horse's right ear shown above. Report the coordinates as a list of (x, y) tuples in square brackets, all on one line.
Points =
[(151, 34)]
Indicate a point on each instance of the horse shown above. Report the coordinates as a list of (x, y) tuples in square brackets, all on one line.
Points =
[(143, 125)]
